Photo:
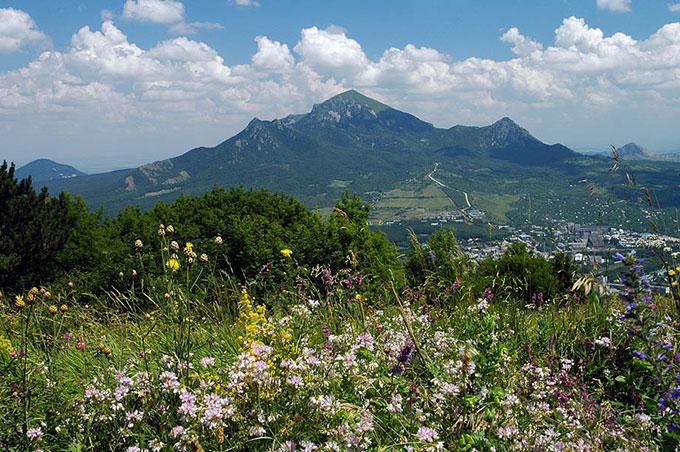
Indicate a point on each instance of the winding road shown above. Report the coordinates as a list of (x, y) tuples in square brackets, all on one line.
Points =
[(434, 170)]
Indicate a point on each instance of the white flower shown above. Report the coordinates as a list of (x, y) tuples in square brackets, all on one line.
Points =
[(604, 341)]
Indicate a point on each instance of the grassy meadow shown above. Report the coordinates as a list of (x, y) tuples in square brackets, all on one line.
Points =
[(239, 320)]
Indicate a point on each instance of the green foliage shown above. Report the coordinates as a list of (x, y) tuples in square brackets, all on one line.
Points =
[(254, 226), (441, 259), (525, 276), (33, 229)]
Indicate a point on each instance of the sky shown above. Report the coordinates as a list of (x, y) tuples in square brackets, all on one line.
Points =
[(104, 84)]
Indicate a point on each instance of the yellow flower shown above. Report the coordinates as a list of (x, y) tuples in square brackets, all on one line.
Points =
[(6, 345), (286, 252), (671, 273), (674, 284), (360, 298), (218, 240), (189, 245), (677, 269), (19, 301), (63, 308), (53, 309), (173, 264)]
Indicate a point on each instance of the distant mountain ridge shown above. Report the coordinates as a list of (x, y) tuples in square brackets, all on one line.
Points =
[(43, 170), (633, 151), (352, 142)]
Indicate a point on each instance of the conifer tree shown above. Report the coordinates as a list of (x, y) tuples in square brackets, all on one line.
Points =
[(33, 228)]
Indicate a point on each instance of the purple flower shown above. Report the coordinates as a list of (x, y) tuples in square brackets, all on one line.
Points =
[(397, 369), (326, 331), (327, 277), (405, 353), (488, 294), (619, 257), (665, 345), (640, 355), (675, 393), (661, 404)]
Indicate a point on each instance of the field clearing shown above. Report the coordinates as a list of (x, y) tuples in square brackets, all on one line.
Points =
[(495, 205), (410, 204)]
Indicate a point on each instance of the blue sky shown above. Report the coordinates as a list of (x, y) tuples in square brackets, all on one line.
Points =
[(118, 93), (460, 28)]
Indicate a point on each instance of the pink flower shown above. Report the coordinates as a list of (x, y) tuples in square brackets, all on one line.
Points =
[(177, 431), (207, 361), (426, 434), (34, 433)]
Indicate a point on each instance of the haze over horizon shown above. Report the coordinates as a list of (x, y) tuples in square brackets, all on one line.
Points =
[(113, 84)]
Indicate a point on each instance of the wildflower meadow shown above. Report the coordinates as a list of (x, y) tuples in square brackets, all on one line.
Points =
[(229, 330)]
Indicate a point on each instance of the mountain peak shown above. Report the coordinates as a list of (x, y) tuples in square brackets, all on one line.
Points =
[(353, 100), (633, 151), (354, 97), (507, 123), (353, 109), (505, 131), (42, 170)]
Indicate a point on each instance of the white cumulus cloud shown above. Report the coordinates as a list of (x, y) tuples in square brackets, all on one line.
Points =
[(247, 2), (584, 85), (619, 6), (272, 55), (17, 30), (160, 11), (330, 50)]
